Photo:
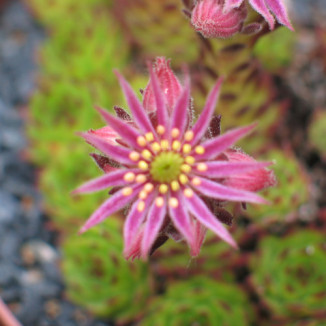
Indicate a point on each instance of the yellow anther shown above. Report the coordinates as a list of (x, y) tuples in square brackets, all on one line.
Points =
[(185, 168), (156, 147), (190, 160), (186, 148), (173, 202), (149, 137), (201, 167), (196, 181), (146, 154), (141, 178), (141, 141), (176, 145), (160, 129), (164, 144), (143, 165), (159, 202), (183, 179), (175, 133), (189, 135), (199, 149), (141, 206), (127, 191), (163, 188), (175, 185), (148, 187), (143, 194), (129, 177), (188, 192), (134, 156)]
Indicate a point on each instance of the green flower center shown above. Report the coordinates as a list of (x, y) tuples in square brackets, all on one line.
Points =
[(166, 167)]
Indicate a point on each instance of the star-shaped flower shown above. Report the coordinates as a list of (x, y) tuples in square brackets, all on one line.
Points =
[(171, 173)]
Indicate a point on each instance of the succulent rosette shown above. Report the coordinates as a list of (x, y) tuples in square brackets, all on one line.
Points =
[(171, 173)]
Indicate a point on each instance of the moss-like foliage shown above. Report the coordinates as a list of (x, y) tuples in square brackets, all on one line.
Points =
[(99, 278), (289, 273), (290, 193), (317, 132), (199, 301)]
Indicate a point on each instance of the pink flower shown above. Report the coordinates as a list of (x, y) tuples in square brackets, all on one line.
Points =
[(172, 175), (211, 20), (265, 8)]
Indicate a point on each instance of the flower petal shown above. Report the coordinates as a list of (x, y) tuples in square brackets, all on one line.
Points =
[(198, 208), (279, 10), (217, 145), (261, 8), (231, 4), (152, 227), (126, 132), (118, 153), (111, 179), (221, 169), (110, 206), (136, 108), (204, 119), (216, 190)]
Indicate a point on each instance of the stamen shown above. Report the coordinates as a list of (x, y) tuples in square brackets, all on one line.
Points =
[(188, 192), (149, 137), (189, 135), (173, 202), (199, 149), (143, 165), (164, 144), (186, 148), (176, 145), (141, 141), (146, 154), (160, 129), (156, 147), (185, 168), (175, 133), (148, 187), (129, 177), (163, 188), (196, 181), (190, 160), (143, 194), (127, 191), (175, 185), (134, 156), (141, 178), (183, 179), (141, 206), (201, 167), (159, 202)]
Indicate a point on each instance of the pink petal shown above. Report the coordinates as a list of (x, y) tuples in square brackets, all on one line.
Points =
[(217, 145), (107, 133), (110, 206), (279, 10), (204, 119), (161, 110), (198, 208), (260, 7), (215, 190), (231, 4), (183, 223), (137, 110), (222, 169), (180, 111), (116, 152), (152, 227), (108, 180), (126, 132), (200, 233), (133, 222)]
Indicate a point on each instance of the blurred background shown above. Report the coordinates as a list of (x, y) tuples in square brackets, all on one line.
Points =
[(56, 62)]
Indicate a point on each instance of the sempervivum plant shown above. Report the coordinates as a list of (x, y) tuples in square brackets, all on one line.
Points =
[(172, 173)]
